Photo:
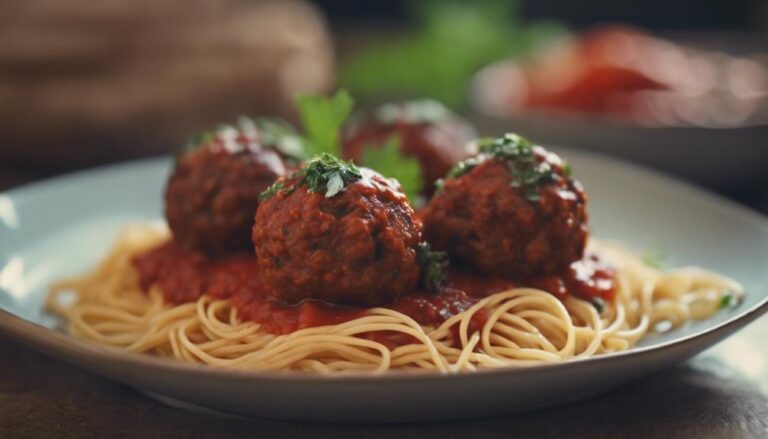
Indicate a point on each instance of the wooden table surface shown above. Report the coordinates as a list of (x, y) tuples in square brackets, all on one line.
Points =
[(722, 393)]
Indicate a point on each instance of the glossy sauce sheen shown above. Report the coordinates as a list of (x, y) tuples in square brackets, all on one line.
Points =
[(183, 276)]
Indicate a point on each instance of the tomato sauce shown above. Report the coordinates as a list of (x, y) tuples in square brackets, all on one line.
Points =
[(183, 276)]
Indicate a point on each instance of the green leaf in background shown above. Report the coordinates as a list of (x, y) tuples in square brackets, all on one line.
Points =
[(454, 39), (322, 119), (389, 162)]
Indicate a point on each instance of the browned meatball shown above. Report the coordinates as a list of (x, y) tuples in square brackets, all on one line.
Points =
[(213, 192), (512, 211), (354, 247), (426, 130)]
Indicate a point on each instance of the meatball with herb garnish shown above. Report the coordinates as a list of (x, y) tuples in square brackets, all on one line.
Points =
[(335, 232), (214, 190), (512, 210), (424, 129)]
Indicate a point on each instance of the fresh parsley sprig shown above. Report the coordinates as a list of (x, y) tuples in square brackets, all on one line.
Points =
[(389, 161), (528, 173), (433, 265), (329, 174), (322, 119), (518, 152)]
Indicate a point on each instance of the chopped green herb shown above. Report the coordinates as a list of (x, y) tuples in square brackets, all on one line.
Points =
[(271, 191), (323, 118), (463, 167), (509, 146), (195, 141), (567, 171), (726, 301), (458, 170), (433, 265), (599, 304), (530, 176), (329, 174), (655, 258), (321, 173), (223, 132), (390, 162), (527, 172)]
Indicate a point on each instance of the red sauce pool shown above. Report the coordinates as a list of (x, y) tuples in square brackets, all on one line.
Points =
[(184, 276)]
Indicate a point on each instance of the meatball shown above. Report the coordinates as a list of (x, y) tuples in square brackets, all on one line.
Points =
[(213, 192), (512, 211), (357, 247), (426, 130)]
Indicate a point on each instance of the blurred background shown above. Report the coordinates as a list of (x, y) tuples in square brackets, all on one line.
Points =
[(680, 86)]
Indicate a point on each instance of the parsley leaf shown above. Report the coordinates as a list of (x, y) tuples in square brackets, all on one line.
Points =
[(509, 146), (199, 139), (433, 266), (390, 162), (599, 304), (321, 173), (528, 172), (463, 167), (458, 170), (271, 191), (726, 300), (334, 185), (567, 171), (329, 174), (446, 44), (322, 118), (518, 152)]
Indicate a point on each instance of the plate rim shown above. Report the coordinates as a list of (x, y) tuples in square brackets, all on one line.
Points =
[(72, 349)]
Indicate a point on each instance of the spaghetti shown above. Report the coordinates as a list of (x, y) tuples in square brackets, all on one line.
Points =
[(523, 326)]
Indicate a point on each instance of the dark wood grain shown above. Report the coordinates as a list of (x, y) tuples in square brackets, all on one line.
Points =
[(705, 398)]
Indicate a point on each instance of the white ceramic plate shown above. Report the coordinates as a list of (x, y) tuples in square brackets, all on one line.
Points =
[(62, 226)]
